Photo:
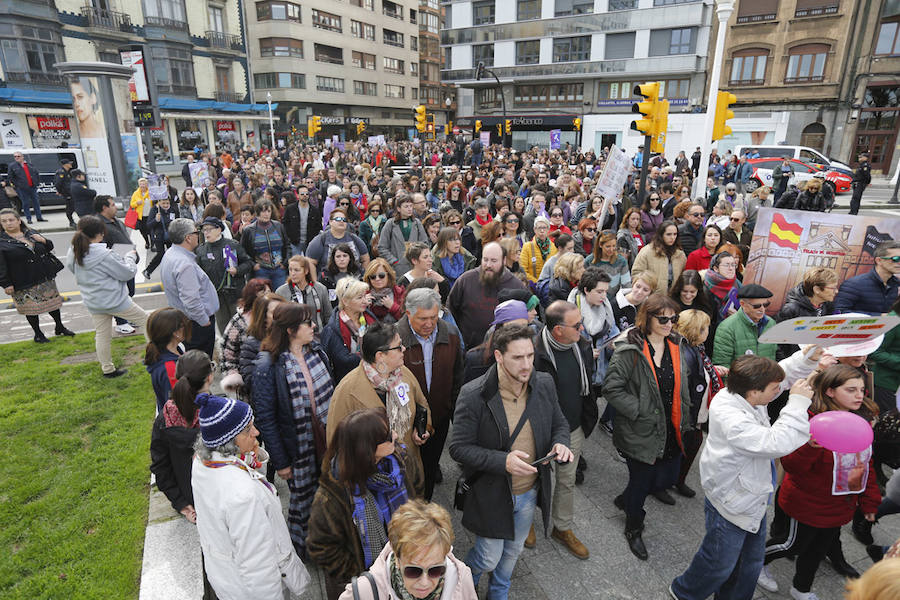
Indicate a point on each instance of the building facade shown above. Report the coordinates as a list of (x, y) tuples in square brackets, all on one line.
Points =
[(437, 97), (560, 59), (344, 62)]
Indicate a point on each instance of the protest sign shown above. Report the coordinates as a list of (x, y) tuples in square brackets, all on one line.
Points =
[(199, 174), (158, 187), (615, 173), (830, 330)]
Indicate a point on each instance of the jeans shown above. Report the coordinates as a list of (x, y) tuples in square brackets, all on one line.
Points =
[(277, 276), (500, 556), (298, 249), (29, 198), (727, 563)]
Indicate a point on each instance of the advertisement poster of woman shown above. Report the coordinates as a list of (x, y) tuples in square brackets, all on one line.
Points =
[(92, 131)]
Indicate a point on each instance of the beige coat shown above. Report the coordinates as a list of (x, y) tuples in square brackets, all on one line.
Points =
[(648, 260)]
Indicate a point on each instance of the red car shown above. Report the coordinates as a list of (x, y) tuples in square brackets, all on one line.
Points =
[(763, 167)]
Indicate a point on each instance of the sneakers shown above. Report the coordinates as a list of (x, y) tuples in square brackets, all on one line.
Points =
[(531, 539), (573, 544), (767, 582), (798, 595), (116, 373), (125, 329)]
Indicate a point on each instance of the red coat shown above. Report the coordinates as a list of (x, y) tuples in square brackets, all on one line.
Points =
[(806, 490), (698, 260)]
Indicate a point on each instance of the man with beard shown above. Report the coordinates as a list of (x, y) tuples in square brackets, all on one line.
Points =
[(473, 297)]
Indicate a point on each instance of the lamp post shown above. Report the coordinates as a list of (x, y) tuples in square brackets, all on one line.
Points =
[(724, 9), (478, 72), (271, 122)]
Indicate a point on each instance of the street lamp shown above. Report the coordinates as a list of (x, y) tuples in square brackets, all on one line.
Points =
[(271, 122), (723, 12)]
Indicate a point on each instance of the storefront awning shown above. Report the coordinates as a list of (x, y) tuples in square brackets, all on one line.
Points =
[(14, 94), (25, 95)]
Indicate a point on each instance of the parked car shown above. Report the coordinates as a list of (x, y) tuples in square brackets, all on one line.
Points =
[(763, 167), (803, 153), (46, 161)]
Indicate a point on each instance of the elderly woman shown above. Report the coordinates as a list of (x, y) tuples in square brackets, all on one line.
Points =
[(236, 332), (536, 252), (101, 275), (606, 257), (364, 480), (722, 285), (292, 389), (267, 245), (382, 380), (418, 560), (302, 288), (246, 546), (28, 271), (343, 332), (387, 296), (227, 265), (141, 204), (663, 257), (648, 385)]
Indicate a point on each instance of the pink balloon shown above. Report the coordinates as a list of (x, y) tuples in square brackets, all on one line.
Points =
[(841, 431)]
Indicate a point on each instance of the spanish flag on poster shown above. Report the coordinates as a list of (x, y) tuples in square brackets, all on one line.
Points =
[(785, 233)]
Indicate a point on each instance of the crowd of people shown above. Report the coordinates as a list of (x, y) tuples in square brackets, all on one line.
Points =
[(361, 321)]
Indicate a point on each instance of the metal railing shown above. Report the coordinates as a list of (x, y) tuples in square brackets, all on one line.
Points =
[(740, 82), (228, 41), (102, 18), (622, 4), (229, 97), (36, 77), (177, 89), (166, 22), (817, 11)]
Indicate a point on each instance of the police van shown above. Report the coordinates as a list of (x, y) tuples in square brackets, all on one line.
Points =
[(47, 161)]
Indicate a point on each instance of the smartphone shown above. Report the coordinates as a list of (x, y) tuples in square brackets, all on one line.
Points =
[(545, 459)]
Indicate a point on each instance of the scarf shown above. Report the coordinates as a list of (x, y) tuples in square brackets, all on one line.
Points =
[(715, 382), (299, 295), (379, 295), (453, 266), (373, 506), (550, 344), (356, 329), (375, 223), (396, 397), (310, 387), (543, 246), (484, 221), (724, 289), (245, 462), (400, 590), (174, 418)]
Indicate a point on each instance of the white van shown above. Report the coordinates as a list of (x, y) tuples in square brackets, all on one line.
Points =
[(47, 162), (804, 153)]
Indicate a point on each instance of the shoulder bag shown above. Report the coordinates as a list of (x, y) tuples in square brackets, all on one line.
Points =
[(354, 585)]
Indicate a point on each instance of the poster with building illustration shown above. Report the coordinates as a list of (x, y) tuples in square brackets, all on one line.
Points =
[(786, 243)]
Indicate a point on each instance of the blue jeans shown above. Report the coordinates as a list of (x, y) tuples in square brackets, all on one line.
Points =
[(298, 249), (29, 198), (727, 564), (277, 276), (500, 556)]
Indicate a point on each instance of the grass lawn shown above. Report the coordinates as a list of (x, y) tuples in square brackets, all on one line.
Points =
[(75, 477)]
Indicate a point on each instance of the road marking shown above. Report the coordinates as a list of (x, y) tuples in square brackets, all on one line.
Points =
[(6, 307)]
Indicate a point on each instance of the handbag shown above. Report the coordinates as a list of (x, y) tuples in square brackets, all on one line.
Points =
[(354, 585), (465, 483), (53, 263), (131, 219)]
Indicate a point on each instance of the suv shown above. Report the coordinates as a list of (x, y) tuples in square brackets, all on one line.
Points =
[(802, 153), (839, 182), (46, 161)]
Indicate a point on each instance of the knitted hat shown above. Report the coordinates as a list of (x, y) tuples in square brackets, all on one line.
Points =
[(509, 311), (221, 419)]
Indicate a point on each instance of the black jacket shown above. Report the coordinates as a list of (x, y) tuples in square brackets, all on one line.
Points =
[(810, 202), (249, 234), (16, 176), (159, 230), (480, 443), (186, 175), (291, 222), (211, 258), (589, 412), (116, 232), (171, 455), (21, 267), (62, 180), (689, 238), (83, 197), (863, 174)]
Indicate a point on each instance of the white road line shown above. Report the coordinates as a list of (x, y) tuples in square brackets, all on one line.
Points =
[(12, 311)]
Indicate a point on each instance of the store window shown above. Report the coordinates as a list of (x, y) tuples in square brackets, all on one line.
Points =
[(51, 131), (227, 135), (162, 145), (192, 137)]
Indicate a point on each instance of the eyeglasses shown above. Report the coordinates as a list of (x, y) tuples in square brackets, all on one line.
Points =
[(435, 572), (398, 347), (339, 219), (696, 214), (890, 258), (735, 219), (727, 265), (512, 221), (663, 320), (379, 275), (758, 306), (591, 229), (577, 325)]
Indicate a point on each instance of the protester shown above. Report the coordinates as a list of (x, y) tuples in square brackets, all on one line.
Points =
[(167, 328), (267, 245), (142, 204), (627, 301), (452, 259), (190, 206), (257, 330), (161, 215), (722, 286), (536, 252), (630, 237), (226, 263), (739, 334), (321, 248), (886, 365), (480, 358), (386, 295), (606, 257), (651, 215), (662, 257), (25, 179), (302, 288), (691, 234), (738, 233), (343, 332), (82, 196), (711, 241), (404, 228)]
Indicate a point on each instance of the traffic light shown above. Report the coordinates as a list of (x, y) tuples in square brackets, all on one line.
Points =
[(508, 126), (315, 126), (477, 126), (448, 127), (723, 113), (647, 108), (360, 127), (479, 71), (421, 117), (500, 129), (576, 122), (661, 125), (293, 130)]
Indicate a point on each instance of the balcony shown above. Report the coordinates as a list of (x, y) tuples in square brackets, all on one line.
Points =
[(233, 97), (166, 23), (745, 82), (226, 41), (394, 14), (817, 11), (35, 77), (108, 20), (177, 89)]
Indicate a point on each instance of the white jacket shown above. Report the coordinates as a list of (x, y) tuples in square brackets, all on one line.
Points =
[(736, 468), (246, 545)]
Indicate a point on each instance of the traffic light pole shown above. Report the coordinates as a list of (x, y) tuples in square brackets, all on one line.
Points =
[(503, 100), (645, 160)]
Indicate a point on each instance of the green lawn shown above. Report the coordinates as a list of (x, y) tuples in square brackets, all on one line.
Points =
[(74, 473)]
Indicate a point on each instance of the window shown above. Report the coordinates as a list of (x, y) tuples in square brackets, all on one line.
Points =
[(571, 49), (751, 11), (806, 63), (281, 47), (672, 41), (548, 95), (365, 88), (216, 19), (487, 97), (430, 22), (530, 94), (362, 30), (329, 84), (816, 8), (277, 11), (174, 70), (413, 16), (393, 65), (165, 12), (393, 38), (279, 80), (362, 60), (483, 53), (414, 68), (431, 72), (223, 79), (30, 55), (566, 93), (619, 45), (413, 42), (393, 91), (624, 90), (668, 2), (483, 12), (528, 9), (324, 20), (367, 4), (528, 53), (110, 57), (748, 67), (888, 41), (329, 54), (573, 7), (391, 9), (415, 93), (622, 5)]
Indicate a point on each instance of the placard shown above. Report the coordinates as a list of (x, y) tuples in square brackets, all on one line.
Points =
[(615, 173), (199, 174), (555, 135), (158, 188), (829, 331)]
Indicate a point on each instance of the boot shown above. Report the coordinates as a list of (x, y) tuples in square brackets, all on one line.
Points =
[(862, 529), (839, 563), (634, 527)]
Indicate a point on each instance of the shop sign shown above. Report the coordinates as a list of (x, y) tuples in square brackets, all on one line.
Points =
[(358, 120), (224, 125), (332, 120), (49, 131)]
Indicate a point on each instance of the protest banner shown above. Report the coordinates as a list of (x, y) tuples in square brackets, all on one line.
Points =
[(199, 174), (829, 330), (615, 173), (158, 187)]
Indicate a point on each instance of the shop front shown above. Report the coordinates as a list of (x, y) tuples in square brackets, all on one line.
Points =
[(527, 130)]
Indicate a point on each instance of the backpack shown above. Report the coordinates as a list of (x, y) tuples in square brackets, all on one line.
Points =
[(541, 289), (476, 146)]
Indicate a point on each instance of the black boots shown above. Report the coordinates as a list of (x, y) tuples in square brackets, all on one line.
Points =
[(862, 529), (634, 527), (839, 563)]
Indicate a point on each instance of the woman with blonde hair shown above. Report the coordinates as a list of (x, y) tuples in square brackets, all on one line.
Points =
[(343, 332), (567, 273), (141, 203), (387, 296), (451, 259), (880, 582)]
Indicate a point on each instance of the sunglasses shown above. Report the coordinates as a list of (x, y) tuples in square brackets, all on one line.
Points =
[(433, 572), (591, 229), (398, 347), (577, 325), (339, 219), (512, 220), (343, 204), (697, 214), (455, 223), (735, 219), (890, 258), (379, 275), (758, 306), (663, 320)]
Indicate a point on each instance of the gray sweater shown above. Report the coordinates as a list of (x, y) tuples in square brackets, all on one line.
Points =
[(102, 278)]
